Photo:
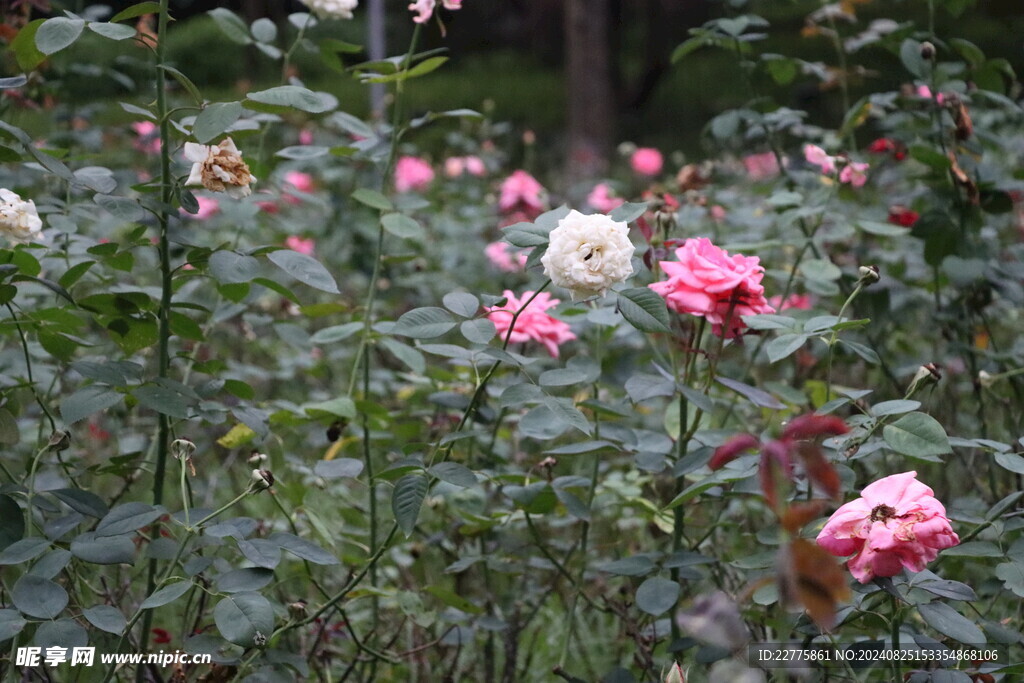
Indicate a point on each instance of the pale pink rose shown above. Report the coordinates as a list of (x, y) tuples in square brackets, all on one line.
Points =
[(303, 182), (424, 9), (717, 213), (761, 166), (504, 258), (801, 302), (706, 281), (412, 174), (533, 323), (148, 140), (305, 137), (521, 191), (647, 161), (454, 166), (302, 245), (818, 157), (601, 199), (926, 92), (854, 173), (475, 166), (208, 206), (897, 522)]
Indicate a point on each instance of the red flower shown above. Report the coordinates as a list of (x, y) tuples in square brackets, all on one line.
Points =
[(901, 215), (160, 636), (889, 146)]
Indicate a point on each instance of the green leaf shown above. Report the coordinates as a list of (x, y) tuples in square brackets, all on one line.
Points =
[(424, 323), (644, 309), (242, 616), (9, 432), (293, 96), (373, 199), (137, 10), (106, 618), (461, 303), (638, 565), (26, 53), (628, 212), (264, 30), (784, 345), (23, 550), (479, 331), (12, 521), (11, 624), (657, 595), (305, 269), (128, 517), (454, 473), (248, 579), (231, 25), (1011, 462), (896, 407), (565, 410), (103, 549), (949, 622), (917, 434), (302, 548), (910, 55), (409, 356), (166, 595), (1010, 573), (342, 406), (402, 226), (336, 333), (579, 370), (215, 119), (453, 599), (38, 597), (758, 397), (112, 31), (185, 82), (406, 500), (338, 468), (65, 633), (58, 33), (86, 401)]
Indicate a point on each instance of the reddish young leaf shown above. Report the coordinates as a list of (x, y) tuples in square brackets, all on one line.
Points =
[(731, 449), (799, 514), (809, 577), (813, 426)]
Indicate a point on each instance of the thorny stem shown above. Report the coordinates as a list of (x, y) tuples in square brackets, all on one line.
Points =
[(28, 370), (835, 336)]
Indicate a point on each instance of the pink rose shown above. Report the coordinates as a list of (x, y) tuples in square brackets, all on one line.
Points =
[(895, 523), (521, 192), (148, 140), (300, 244), (761, 166), (854, 173), (601, 198), (413, 174), (533, 323), (818, 157), (801, 302), (305, 137), (647, 161), (503, 258), (425, 8), (706, 281), (456, 166), (303, 182)]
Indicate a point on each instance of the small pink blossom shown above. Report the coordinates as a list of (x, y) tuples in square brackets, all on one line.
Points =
[(504, 258), (897, 522), (601, 198), (522, 192), (706, 281), (303, 245), (647, 161), (456, 166), (413, 174), (801, 302), (424, 9), (855, 173), (303, 182), (148, 140), (208, 206), (926, 92), (305, 137), (818, 157), (761, 166), (533, 323), (717, 213)]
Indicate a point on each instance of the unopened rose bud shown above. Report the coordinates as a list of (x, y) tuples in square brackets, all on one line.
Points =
[(255, 458), (297, 609), (676, 674), (927, 51), (60, 440), (868, 275), (985, 379), (926, 374), (262, 479)]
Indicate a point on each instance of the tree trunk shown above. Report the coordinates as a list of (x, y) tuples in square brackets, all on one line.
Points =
[(591, 101)]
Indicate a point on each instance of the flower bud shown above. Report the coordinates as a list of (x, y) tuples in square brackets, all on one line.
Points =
[(261, 479), (255, 458), (985, 379), (868, 275), (927, 51), (926, 374), (182, 449), (297, 609), (60, 440), (676, 674)]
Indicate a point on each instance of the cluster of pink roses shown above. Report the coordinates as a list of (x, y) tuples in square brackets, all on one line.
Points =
[(854, 173)]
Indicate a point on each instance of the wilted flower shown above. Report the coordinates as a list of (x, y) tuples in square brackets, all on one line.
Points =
[(521, 192), (601, 198), (706, 281), (588, 254), (425, 8), (646, 161), (302, 245), (332, 9), (501, 255), (219, 168), (19, 220), (533, 323), (412, 174), (897, 522)]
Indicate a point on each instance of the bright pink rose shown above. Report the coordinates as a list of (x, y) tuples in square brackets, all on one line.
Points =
[(148, 139), (761, 166), (801, 302), (817, 156), (601, 199), (303, 182), (501, 255), (300, 244), (412, 174), (521, 192), (854, 173), (533, 323), (707, 281), (647, 161), (896, 522)]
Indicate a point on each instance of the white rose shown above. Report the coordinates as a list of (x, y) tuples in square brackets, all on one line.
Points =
[(588, 254), (19, 220), (219, 168), (332, 9)]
